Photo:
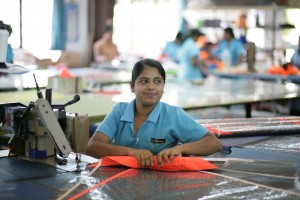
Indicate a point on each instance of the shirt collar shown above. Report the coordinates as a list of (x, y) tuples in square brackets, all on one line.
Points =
[(128, 114), (153, 117)]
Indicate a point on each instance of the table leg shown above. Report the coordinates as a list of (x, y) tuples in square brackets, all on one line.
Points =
[(248, 110)]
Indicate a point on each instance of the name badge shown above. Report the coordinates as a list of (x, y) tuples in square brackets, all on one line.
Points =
[(159, 141)]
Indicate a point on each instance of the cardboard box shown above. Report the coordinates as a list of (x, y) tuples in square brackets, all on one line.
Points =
[(65, 85)]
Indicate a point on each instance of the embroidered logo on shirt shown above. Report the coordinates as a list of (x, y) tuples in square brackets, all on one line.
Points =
[(160, 141)]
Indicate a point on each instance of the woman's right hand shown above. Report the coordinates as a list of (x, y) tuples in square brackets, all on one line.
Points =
[(144, 157)]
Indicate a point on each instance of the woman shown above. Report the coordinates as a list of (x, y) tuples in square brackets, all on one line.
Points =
[(230, 50), (146, 127)]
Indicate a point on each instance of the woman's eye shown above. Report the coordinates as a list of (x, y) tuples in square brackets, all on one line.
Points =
[(143, 81), (158, 81)]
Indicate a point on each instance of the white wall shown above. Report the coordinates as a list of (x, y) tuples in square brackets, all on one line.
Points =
[(79, 44)]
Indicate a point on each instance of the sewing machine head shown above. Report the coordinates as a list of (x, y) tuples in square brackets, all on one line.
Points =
[(41, 130)]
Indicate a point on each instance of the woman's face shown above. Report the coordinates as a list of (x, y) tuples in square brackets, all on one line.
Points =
[(148, 87)]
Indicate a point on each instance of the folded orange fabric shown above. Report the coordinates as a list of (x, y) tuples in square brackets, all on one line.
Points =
[(178, 164)]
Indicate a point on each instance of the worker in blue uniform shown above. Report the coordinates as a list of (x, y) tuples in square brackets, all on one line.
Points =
[(146, 127), (230, 50), (188, 57), (295, 60), (172, 47)]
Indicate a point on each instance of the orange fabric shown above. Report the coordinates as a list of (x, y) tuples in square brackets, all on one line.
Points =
[(218, 132), (219, 64), (64, 72), (278, 70), (178, 164), (242, 21), (201, 41), (204, 55)]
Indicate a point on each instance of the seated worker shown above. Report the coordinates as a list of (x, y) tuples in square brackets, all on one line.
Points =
[(229, 50), (104, 50), (188, 56), (286, 69), (171, 48), (146, 127), (295, 60)]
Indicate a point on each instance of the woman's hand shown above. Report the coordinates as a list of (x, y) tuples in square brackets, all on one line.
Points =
[(144, 157), (168, 155)]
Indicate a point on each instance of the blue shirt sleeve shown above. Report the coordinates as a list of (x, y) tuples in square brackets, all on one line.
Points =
[(240, 48), (9, 54), (194, 50), (219, 49), (110, 123), (167, 48), (187, 129)]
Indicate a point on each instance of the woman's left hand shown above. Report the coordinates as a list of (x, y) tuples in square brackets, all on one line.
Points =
[(167, 155)]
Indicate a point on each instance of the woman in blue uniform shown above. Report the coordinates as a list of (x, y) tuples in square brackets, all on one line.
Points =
[(230, 50), (188, 56), (146, 127)]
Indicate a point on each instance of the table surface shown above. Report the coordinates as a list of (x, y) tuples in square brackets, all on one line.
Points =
[(252, 171), (258, 76)]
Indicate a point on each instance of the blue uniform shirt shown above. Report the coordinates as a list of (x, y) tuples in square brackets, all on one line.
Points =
[(235, 47), (9, 54), (295, 60), (171, 49), (165, 127), (187, 71)]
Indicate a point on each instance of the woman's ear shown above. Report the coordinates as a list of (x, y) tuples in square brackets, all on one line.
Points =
[(132, 87)]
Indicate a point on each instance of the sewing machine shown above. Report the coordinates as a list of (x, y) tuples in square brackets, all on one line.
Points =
[(41, 131)]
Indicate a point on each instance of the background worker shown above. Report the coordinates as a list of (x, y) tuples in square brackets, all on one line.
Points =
[(295, 60), (188, 55), (229, 50), (171, 48), (105, 50)]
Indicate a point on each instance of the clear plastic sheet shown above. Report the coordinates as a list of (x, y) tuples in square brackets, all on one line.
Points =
[(151, 184), (252, 127), (277, 174), (279, 144)]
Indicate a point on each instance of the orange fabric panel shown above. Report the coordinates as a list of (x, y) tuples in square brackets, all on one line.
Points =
[(278, 70), (178, 164)]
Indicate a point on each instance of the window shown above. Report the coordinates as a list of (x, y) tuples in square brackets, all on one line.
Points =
[(143, 27), (10, 14), (36, 22)]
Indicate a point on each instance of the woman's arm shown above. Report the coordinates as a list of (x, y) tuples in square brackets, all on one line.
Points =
[(99, 146), (207, 145)]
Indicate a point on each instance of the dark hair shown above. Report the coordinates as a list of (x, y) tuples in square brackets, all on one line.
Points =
[(6, 27), (140, 65), (179, 36), (107, 28), (195, 33), (229, 31)]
